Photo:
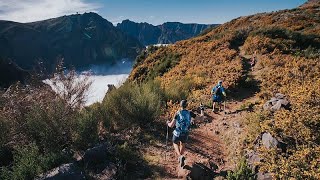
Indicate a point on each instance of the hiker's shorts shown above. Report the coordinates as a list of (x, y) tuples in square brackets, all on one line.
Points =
[(182, 138), (217, 99)]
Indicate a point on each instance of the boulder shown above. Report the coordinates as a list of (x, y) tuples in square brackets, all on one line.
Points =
[(63, 172), (268, 141), (276, 107), (96, 155), (267, 106), (108, 173), (276, 103), (280, 96), (110, 88), (284, 102), (273, 100)]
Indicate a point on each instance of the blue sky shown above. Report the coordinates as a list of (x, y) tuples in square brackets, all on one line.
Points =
[(151, 11)]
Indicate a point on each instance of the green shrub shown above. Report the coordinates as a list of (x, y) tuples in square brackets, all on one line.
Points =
[(164, 64), (49, 127), (179, 89), (30, 162), (134, 104), (87, 127), (243, 171)]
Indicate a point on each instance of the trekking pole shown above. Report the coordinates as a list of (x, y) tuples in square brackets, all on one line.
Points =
[(224, 106), (167, 137)]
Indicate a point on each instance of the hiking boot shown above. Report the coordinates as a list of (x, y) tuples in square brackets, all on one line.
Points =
[(181, 161)]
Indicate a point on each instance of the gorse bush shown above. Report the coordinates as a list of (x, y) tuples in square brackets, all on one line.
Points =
[(179, 89), (134, 104)]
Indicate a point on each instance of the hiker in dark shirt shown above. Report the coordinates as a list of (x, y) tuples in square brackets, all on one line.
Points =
[(218, 93), (181, 121)]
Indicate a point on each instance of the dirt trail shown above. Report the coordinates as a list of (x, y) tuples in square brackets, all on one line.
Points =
[(212, 144), (206, 151)]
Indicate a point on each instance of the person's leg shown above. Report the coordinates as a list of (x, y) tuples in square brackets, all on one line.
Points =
[(176, 141), (177, 149), (182, 147), (213, 105)]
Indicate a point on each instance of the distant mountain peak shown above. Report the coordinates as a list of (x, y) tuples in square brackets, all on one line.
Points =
[(80, 39), (166, 33)]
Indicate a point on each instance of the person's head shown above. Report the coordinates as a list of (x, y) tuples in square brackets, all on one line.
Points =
[(220, 82), (183, 104)]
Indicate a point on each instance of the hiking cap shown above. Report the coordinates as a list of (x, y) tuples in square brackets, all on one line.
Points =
[(183, 103)]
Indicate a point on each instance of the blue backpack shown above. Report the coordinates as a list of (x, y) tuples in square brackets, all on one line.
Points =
[(183, 122)]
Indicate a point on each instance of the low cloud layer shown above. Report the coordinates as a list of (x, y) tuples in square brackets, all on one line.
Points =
[(35, 10)]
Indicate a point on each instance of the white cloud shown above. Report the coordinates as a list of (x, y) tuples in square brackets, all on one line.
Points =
[(35, 10)]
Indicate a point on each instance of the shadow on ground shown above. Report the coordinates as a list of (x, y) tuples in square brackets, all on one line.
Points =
[(199, 171), (247, 85)]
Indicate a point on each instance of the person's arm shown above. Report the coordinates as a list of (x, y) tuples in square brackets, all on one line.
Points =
[(223, 92), (172, 123), (193, 115)]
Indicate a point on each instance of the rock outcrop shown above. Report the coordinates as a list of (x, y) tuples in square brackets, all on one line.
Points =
[(95, 164), (276, 103), (267, 141), (63, 172)]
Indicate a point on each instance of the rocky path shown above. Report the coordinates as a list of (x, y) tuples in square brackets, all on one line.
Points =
[(213, 145), (208, 150)]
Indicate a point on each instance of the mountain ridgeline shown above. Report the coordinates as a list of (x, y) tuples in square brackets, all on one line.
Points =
[(80, 39), (167, 33)]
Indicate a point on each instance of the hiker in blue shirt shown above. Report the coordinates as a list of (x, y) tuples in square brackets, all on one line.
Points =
[(218, 94), (182, 121)]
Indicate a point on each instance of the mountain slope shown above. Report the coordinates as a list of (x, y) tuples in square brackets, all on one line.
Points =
[(287, 46), (81, 40), (10, 73), (166, 33)]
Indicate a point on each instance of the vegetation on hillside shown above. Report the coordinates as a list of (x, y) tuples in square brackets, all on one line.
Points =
[(287, 43), (40, 130)]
